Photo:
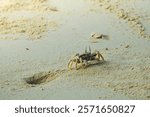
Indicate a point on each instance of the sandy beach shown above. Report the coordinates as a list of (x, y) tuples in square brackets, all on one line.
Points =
[(39, 37)]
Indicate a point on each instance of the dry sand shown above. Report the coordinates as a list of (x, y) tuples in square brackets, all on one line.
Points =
[(28, 5), (33, 26), (38, 69)]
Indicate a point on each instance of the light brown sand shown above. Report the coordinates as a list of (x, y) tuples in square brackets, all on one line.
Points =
[(132, 19), (33, 27), (27, 5)]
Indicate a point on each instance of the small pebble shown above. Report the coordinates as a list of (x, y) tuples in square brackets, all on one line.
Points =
[(148, 96), (127, 46), (132, 68), (27, 48), (106, 48)]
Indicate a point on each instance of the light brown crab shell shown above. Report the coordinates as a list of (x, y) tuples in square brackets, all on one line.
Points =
[(96, 35)]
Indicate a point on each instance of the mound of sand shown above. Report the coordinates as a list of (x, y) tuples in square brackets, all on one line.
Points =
[(27, 5), (32, 27)]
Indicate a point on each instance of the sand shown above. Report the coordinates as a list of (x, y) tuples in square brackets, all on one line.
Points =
[(28, 5), (131, 18), (39, 37), (33, 27)]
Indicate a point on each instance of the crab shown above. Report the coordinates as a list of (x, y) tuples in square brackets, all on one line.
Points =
[(97, 36), (83, 60)]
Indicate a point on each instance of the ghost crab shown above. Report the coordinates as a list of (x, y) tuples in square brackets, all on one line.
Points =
[(83, 60)]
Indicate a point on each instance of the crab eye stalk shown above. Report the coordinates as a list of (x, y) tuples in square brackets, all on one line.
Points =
[(86, 50), (89, 49)]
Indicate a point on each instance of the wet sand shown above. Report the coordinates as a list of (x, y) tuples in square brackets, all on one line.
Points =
[(38, 40)]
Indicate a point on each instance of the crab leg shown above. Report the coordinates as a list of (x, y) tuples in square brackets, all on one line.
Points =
[(70, 64), (76, 64), (100, 56), (83, 63)]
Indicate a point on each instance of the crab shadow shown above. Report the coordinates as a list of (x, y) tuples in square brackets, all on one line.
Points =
[(105, 37), (100, 63)]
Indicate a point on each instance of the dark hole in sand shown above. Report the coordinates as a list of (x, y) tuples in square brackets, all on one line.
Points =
[(37, 78), (43, 77)]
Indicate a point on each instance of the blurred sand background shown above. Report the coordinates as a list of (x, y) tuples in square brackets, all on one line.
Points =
[(38, 37)]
